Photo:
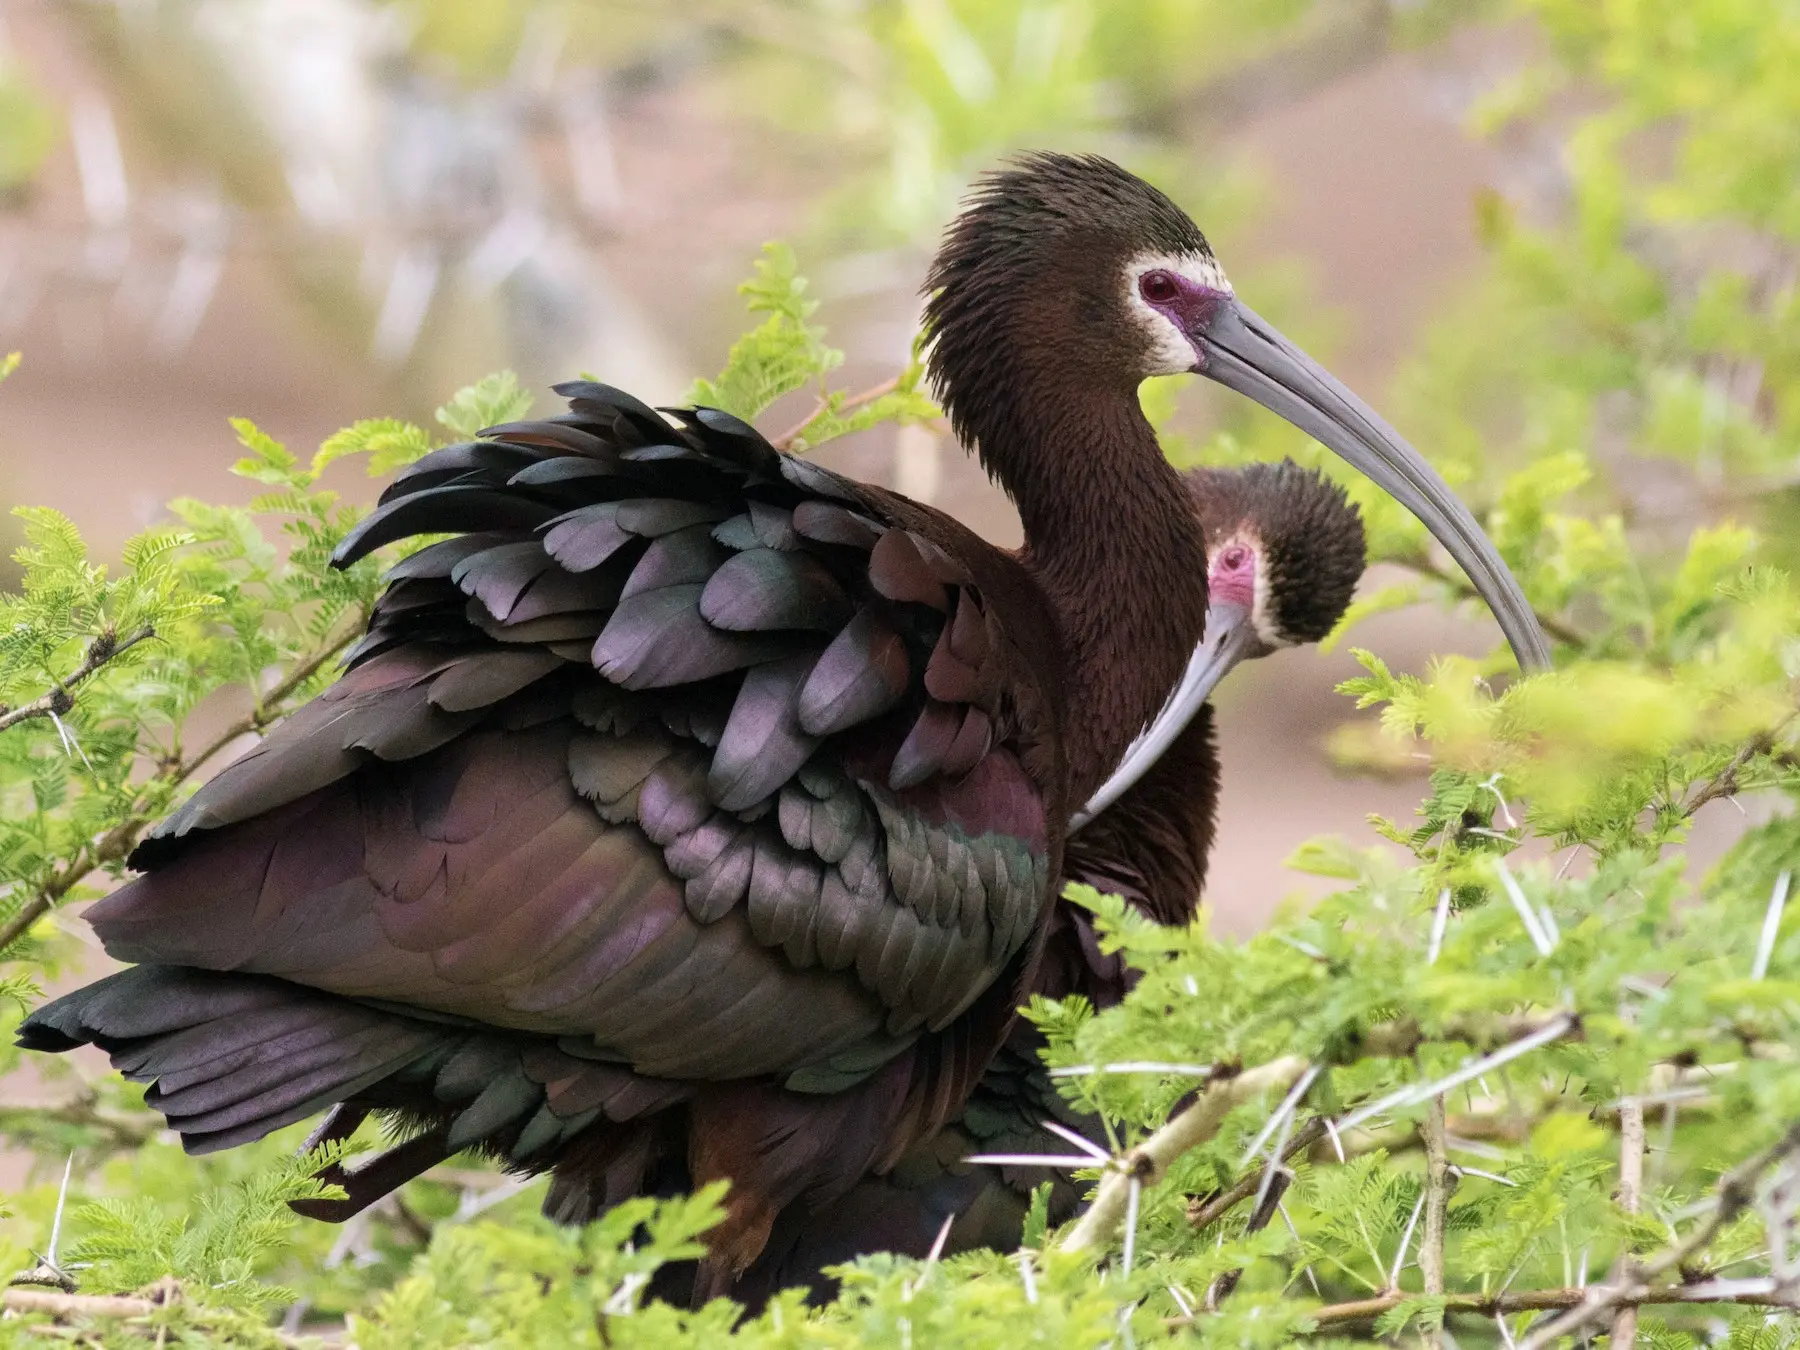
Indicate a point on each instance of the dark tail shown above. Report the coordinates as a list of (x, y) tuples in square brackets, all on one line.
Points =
[(232, 1057)]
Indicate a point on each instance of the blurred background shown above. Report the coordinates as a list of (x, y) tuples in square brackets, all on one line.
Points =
[(311, 211)]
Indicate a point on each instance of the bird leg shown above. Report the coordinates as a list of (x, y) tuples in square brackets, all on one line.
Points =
[(382, 1174)]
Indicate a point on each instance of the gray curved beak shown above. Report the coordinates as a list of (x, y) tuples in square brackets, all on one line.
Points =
[(1242, 351), (1230, 637)]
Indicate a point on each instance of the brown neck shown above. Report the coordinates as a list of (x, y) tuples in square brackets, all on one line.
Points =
[(1112, 536)]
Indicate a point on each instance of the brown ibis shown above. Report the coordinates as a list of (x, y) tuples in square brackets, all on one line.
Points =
[(692, 811), (1285, 550)]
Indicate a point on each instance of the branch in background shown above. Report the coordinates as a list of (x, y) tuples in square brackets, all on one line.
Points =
[(1544, 1300), (1455, 581), (1347, 38), (1147, 1163), (1737, 1191), (1631, 1197), (1724, 783), (127, 1129), (59, 700), (116, 844), (77, 1308), (1437, 1200), (786, 440)]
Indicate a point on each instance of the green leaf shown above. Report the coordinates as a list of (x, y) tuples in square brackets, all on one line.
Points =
[(389, 443), (490, 401), (779, 355)]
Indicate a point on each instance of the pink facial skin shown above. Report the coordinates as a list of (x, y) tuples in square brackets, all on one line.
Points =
[(1233, 576), (1187, 304)]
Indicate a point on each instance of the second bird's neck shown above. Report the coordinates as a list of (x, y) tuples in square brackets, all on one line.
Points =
[(1113, 538)]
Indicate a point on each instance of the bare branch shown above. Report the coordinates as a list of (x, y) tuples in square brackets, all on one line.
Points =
[(1202, 1213), (1437, 1197), (1335, 1315), (27, 1300), (1631, 1197), (57, 702), (1190, 1128)]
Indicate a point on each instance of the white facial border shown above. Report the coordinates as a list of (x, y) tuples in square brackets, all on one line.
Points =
[(1170, 351)]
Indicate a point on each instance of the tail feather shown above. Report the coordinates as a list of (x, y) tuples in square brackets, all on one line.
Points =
[(232, 1057)]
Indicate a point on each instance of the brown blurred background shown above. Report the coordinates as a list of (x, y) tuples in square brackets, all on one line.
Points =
[(311, 211)]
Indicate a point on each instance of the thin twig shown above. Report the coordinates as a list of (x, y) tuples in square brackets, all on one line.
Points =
[(786, 440), (1203, 1213), (107, 646), (1724, 783), (1266, 1209), (1189, 1129)]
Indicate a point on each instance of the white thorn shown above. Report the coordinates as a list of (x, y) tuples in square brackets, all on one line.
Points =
[(1288, 1219), (1440, 917), (937, 1243), (62, 1198), (1406, 1241), (1765, 947), (1132, 1199), (1418, 1092), (1032, 1159), (1281, 1114), (1027, 1278), (1084, 1144), (1337, 1143), (1477, 1172), (1534, 927), (1134, 1066)]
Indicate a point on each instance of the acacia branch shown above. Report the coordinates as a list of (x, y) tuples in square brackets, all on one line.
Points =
[(786, 440), (1335, 1315), (1724, 783), (24, 1300), (1148, 1162), (116, 844), (1737, 1191), (56, 702), (1437, 1197), (1631, 1196)]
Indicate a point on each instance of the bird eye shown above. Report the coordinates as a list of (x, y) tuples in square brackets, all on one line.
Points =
[(1158, 287), (1235, 558)]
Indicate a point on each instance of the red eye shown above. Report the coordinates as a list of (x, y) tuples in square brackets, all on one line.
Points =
[(1158, 287), (1235, 558)]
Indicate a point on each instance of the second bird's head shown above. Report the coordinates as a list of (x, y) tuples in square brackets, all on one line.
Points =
[(1285, 550), (1065, 277)]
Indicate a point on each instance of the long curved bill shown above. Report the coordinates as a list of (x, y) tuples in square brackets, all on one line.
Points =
[(1244, 352), (1230, 637)]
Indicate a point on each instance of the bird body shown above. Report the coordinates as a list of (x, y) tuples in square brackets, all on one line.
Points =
[(692, 812), (1286, 550)]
